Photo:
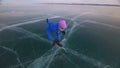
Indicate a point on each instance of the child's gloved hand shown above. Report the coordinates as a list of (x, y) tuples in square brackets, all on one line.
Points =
[(56, 41), (63, 32)]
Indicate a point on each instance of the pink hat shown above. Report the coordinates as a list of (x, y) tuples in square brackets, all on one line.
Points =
[(62, 24)]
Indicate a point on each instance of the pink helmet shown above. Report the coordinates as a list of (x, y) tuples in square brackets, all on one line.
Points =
[(62, 24)]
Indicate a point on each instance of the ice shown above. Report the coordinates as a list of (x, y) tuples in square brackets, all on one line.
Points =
[(45, 60), (88, 59), (100, 23), (14, 52)]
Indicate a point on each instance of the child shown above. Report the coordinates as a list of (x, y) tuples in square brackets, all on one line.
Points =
[(58, 29)]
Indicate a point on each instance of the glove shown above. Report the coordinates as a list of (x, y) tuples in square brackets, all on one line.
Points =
[(55, 42), (47, 20), (63, 32), (58, 43)]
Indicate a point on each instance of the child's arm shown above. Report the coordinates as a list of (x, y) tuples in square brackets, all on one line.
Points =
[(47, 20), (50, 37), (58, 36)]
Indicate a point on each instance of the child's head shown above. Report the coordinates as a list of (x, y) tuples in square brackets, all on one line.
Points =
[(62, 25)]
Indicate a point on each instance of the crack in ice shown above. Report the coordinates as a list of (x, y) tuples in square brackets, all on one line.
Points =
[(89, 60), (70, 61), (34, 36), (45, 60), (14, 52), (24, 23), (99, 23)]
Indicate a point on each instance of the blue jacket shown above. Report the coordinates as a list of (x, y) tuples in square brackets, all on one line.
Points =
[(53, 28)]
